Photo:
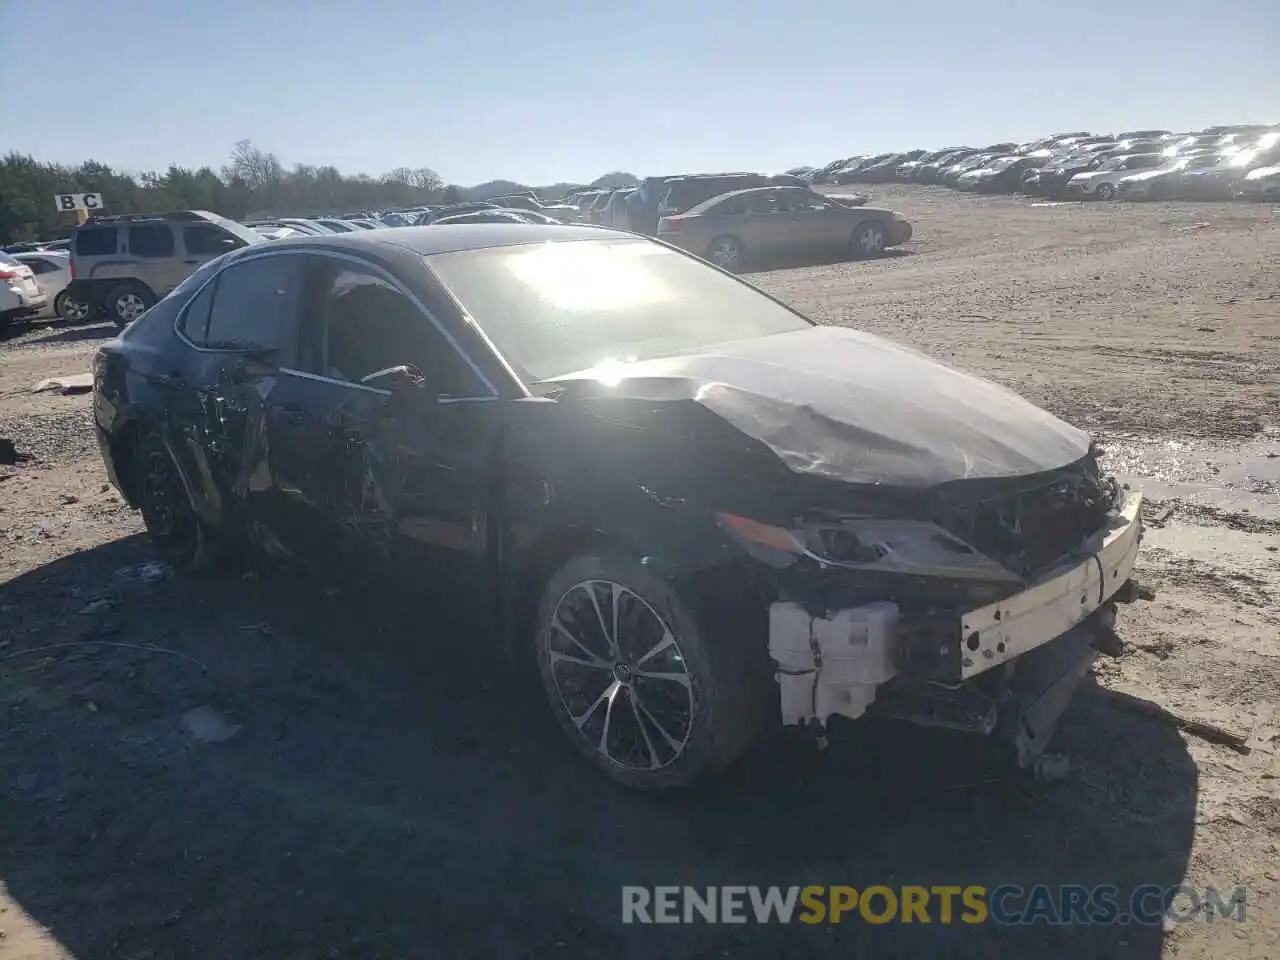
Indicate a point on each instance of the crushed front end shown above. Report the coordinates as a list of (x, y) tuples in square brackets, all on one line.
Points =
[(979, 607)]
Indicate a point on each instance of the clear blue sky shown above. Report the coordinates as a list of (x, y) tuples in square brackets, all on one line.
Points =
[(547, 90)]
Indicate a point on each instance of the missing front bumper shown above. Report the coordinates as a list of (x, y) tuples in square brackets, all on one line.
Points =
[(1043, 637)]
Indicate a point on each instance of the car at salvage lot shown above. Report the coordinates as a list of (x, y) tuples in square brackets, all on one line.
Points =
[(1221, 182), (1260, 184), (124, 264), (764, 222), (20, 296), (1164, 182), (1100, 184), (696, 510), (1001, 175), (52, 270)]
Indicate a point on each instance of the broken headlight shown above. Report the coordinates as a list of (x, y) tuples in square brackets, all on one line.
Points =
[(892, 546)]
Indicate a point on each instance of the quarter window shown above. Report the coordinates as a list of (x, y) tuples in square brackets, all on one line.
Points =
[(254, 305), (195, 320)]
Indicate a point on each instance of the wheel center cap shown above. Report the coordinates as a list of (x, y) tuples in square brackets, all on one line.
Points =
[(622, 673)]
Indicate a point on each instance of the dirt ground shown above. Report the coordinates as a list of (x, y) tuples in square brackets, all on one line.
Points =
[(387, 790)]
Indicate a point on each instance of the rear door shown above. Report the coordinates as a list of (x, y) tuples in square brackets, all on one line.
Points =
[(154, 253), (243, 326)]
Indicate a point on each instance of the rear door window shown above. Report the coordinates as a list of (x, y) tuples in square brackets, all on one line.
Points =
[(151, 240), (254, 305), (96, 241)]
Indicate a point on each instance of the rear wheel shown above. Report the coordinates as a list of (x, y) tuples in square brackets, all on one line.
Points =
[(726, 253), (634, 683), (867, 241), (171, 520), (127, 302)]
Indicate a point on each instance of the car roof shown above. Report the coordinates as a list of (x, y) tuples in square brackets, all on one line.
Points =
[(447, 238)]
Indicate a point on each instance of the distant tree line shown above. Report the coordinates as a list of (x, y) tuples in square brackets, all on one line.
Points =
[(253, 183)]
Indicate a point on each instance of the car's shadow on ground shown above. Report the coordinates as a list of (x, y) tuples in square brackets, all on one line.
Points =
[(793, 261), (394, 792)]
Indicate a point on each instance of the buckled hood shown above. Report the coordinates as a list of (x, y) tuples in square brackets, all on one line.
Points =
[(850, 406)]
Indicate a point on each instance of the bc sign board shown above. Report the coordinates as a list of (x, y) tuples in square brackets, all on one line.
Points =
[(78, 201)]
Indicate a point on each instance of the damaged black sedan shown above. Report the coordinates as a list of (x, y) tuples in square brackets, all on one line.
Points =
[(696, 510)]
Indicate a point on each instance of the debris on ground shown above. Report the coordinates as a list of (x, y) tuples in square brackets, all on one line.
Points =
[(151, 572), (1200, 728), (205, 725), (67, 386)]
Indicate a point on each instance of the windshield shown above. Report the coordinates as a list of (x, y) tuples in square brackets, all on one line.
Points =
[(558, 308), (7, 260), (1001, 164)]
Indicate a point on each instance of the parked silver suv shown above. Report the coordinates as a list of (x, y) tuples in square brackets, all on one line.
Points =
[(125, 264)]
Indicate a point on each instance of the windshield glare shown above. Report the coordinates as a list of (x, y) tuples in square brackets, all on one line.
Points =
[(558, 308)]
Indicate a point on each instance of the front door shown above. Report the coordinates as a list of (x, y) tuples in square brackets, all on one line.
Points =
[(399, 477), (815, 222)]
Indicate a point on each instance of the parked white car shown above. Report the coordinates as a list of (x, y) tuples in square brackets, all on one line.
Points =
[(20, 295), (1261, 184), (52, 269), (1101, 183)]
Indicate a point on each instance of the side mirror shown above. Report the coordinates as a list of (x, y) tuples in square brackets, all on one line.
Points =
[(402, 382)]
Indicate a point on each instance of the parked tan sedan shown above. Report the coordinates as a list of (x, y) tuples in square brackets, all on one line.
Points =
[(763, 222)]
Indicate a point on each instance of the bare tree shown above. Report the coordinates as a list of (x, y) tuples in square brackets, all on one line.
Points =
[(256, 168)]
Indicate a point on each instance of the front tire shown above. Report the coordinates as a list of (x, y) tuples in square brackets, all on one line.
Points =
[(1105, 191), (868, 241), (634, 683), (127, 302)]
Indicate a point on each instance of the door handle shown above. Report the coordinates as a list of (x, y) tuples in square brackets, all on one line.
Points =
[(190, 261), (171, 379)]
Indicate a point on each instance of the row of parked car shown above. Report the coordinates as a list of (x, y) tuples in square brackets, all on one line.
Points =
[(1218, 163), (121, 265)]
